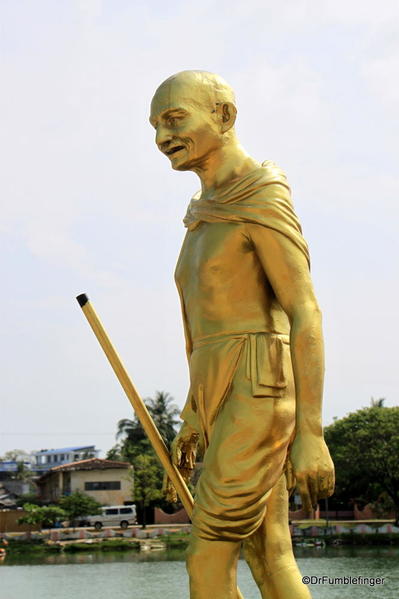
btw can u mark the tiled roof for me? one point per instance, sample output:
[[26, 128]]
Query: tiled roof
[[89, 464]]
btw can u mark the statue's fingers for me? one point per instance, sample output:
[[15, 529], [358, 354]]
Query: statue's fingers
[[176, 454], [326, 485], [165, 483], [303, 490], [191, 459], [168, 489], [290, 477], [185, 456], [331, 486], [171, 494], [313, 491]]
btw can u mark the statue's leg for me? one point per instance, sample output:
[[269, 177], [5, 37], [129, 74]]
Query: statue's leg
[[245, 457], [212, 567], [269, 551]]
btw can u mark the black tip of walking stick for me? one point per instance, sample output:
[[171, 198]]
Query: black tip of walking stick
[[82, 299]]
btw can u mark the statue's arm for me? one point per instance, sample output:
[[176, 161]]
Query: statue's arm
[[187, 335], [185, 444], [287, 270]]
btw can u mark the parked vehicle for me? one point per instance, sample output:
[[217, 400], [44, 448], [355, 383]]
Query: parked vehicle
[[113, 515]]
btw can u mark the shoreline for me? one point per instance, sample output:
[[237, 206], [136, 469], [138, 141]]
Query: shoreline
[[176, 540]]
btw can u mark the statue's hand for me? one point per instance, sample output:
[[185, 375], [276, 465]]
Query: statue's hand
[[183, 453], [311, 468]]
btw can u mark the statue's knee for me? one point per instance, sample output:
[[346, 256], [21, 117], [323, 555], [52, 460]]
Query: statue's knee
[[279, 553], [211, 556]]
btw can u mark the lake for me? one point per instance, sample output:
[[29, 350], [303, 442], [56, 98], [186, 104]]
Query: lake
[[162, 574]]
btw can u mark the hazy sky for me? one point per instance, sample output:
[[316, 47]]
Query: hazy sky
[[88, 204]]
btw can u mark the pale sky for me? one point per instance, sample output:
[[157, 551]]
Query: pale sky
[[89, 204]]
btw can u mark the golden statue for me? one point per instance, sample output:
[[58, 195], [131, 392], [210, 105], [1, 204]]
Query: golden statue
[[254, 347]]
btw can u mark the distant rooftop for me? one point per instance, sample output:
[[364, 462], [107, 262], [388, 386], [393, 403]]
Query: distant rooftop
[[64, 449], [89, 464]]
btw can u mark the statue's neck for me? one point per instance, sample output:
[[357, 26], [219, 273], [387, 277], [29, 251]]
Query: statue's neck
[[229, 162]]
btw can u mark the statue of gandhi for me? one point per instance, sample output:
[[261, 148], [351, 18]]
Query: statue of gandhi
[[254, 346]]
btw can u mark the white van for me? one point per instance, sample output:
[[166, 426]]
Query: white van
[[113, 515]]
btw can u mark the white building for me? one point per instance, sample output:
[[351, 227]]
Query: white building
[[107, 481]]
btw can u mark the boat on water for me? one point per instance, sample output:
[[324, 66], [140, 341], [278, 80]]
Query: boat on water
[[311, 543]]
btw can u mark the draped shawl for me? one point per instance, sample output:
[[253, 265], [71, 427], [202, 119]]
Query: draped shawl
[[262, 197]]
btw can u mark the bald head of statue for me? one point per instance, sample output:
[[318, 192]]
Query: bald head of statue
[[193, 113]]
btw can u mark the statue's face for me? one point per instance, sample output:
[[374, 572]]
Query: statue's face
[[187, 131]]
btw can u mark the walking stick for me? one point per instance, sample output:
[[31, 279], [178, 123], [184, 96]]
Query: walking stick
[[139, 407]]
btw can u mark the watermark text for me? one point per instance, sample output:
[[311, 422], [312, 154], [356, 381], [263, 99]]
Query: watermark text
[[369, 581]]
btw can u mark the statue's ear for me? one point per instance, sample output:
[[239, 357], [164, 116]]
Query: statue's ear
[[227, 113]]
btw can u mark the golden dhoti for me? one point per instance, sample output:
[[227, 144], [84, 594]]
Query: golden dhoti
[[242, 400]]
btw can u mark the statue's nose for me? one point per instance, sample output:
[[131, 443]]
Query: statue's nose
[[162, 136]]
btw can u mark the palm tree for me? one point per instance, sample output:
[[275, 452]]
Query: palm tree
[[163, 412], [131, 430]]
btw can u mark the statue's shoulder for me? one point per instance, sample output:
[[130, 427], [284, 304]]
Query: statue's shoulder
[[273, 172]]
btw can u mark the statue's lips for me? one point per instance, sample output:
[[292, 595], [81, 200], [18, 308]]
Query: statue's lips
[[174, 150]]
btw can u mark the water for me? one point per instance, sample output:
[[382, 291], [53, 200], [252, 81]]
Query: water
[[163, 575]]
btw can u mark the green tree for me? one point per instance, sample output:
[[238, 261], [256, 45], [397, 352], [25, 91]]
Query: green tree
[[23, 473], [15, 455], [77, 505], [365, 447], [32, 498], [133, 440], [164, 413], [133, 445], [115, 453], [45, 516], [146, 488]]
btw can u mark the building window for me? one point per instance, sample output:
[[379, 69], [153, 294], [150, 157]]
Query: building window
[[112, 485]]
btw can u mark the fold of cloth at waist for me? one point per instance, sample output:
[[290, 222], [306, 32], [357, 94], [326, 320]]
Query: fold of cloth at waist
[[216, 337], [215, 361]]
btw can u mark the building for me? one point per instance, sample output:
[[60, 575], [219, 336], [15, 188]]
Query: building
[[16, 477], [107, 481], [48, 458], [10, 468]]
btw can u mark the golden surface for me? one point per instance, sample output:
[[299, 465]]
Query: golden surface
[[254, 346]]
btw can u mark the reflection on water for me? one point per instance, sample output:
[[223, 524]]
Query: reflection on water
[[130, 575], [172, 555], [97, 557], [371, 551]]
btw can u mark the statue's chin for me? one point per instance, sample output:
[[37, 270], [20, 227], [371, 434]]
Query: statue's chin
[[181, 167]]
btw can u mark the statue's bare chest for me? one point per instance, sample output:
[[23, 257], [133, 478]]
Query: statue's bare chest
[[212, 254]]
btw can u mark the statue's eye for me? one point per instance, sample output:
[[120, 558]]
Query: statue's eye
[[172, 121]]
